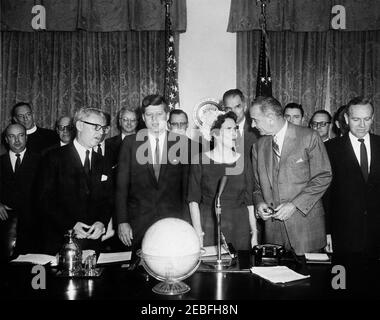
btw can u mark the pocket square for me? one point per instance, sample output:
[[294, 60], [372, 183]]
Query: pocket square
[[104, 178], [299, 160]]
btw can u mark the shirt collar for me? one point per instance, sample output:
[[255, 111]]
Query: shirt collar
[[32, 130], [13, 154], [355, 139], [81, 149], [281, 134]]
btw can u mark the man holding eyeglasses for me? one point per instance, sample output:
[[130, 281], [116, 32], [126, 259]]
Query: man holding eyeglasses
[[321, 122], [76, 187], [39, 139]]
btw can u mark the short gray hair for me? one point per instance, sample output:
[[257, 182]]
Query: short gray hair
[[84, 112]]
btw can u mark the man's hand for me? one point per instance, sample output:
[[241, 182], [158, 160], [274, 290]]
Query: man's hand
[[3, 211], [329, 247], [254, 239], [96, 230], [263, 211], [125, 233], [284, 211], [80, 230]]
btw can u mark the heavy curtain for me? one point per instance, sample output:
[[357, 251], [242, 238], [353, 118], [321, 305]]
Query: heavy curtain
[[59, 72]]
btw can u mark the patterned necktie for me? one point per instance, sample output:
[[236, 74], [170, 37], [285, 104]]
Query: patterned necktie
[[276, 148], [86, 166], [156, 164], [363, 159], [99, 151], [18, 162]]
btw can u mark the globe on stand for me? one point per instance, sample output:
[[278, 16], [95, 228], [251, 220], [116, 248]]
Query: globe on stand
[[170, 252]]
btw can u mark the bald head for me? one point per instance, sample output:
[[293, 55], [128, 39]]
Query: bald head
[[15, 136]]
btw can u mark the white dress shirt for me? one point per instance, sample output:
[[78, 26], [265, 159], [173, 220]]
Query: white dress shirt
[[241, 126], [161, 141], [356, 146], [13, 158], [82, 152], [279, 137]]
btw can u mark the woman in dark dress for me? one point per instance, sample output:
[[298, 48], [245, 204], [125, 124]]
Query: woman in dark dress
[[238, 219]]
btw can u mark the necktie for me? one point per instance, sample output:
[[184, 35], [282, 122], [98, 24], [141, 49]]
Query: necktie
[[99, 151], [156, 164], [18, 162], [86, 166], [276, 148], [363, 159]]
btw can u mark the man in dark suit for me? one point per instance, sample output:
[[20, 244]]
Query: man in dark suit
[[151, 180], [127, 123], [76, 186], [292, 172], [39, 139], [234, 100], [353, 210], [18, 170]]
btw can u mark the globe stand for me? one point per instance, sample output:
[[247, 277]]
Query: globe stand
[[171, 288]]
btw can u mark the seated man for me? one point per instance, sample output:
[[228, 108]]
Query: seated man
[[18, 169], [76, 187], [39, 139]]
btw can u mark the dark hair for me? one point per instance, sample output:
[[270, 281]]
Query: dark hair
[[294, 105], [177, 112], [233, 93], [108, 118], [339, 116], [268, 104], [359, 100], [154, 100], [320, 112], [217, 124], [19, 104]]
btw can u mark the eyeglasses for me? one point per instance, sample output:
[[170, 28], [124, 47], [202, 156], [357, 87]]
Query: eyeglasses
[[67, 128], [322, 124], [98, 127], [128, 120], [179, 124], [24, 116]]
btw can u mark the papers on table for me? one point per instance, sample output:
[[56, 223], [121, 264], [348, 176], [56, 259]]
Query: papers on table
[[36, 258], [278, 274], [212, 251], [317, 258], [114, 257]]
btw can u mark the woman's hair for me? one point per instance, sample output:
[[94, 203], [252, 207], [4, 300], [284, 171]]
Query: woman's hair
[[219, 122]]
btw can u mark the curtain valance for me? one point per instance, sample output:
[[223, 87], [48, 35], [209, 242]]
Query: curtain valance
[[93, 15], [304, 15]]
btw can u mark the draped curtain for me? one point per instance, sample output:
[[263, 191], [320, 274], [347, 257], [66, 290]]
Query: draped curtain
[[59, 72], [298, 66]]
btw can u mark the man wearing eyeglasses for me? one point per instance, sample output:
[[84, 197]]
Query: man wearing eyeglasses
[[321, 121], [127, 124], [39, 139], [65, 130], [178, 121], [76, 187], [151, 181]]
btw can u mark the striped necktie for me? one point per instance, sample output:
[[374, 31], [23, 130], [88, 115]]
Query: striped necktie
[[276, 148]]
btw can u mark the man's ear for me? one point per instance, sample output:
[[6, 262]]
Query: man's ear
[[79, 125]]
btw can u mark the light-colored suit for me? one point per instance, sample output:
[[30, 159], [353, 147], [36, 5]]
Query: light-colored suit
[[304, 174]]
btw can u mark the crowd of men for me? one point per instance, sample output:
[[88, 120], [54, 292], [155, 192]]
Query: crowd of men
[[316, 187]]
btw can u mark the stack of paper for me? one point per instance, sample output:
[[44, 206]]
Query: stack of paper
[[114, 257], [317, 257], [36, 258], [278, 274]]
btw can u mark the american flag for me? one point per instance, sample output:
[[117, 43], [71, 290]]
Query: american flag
[[264, 79], [171, 82]]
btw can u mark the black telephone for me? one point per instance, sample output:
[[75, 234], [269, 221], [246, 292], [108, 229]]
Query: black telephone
[[267, 254]]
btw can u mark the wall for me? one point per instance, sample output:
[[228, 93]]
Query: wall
[[207, 54]]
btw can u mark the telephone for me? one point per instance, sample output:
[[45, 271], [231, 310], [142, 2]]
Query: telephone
[[267, 254]]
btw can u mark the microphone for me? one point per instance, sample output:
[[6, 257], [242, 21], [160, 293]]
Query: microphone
[[222, 184]]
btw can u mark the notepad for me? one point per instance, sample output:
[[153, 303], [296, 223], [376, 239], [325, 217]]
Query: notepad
[[278, 274], [317, 258], [114, 257], [35, 258]]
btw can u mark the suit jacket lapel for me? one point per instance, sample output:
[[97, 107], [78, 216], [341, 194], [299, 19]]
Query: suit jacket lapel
[[289, 143], [351, 157], [76, 164], [149, 165], [374, 165], [268, 158], [164, 160]]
